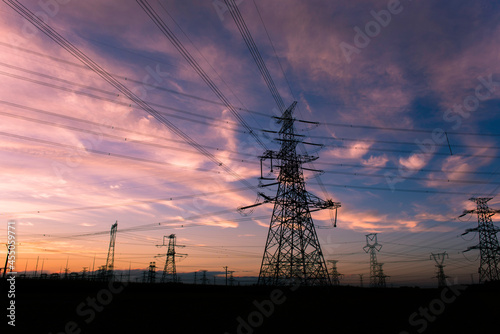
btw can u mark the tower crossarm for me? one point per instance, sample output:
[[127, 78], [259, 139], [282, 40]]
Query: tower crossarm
[[483, 211], [316, 203]]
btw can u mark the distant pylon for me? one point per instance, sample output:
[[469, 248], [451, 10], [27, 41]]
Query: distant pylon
[[226, 273], [336, 276], [380, 276], [169, 270], [361, 280], [152, 272], [372, 247], [489, 248], [439, 258], [110, 260], [231, 277], [9, 247], [292, 252], [204, 279]]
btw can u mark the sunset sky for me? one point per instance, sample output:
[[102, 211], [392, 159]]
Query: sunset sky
[[406, 94]]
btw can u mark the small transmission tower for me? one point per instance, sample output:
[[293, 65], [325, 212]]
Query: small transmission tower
[[380, 276], [204, 279], [152, 272], [292, 252], [169, 271], [110, 260], [231, 277], [336, 276], [489, 248], [439, 258], [372, 247]]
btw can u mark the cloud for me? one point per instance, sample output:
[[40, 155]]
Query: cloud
[[354, 151], [375, 161], [414, 161]]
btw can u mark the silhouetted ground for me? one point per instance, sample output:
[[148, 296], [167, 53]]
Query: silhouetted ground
[[59, 306]]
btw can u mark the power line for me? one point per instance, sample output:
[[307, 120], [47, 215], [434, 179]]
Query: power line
[[153, 15], [68, 46], [254, 51], [354, 126], [274, 49], [126, 139], [224, 123], [125, 104], [427, 170], [397, 189]]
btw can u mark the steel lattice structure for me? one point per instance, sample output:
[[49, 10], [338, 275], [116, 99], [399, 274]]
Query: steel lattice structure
[[489, 248], [380, 276], [336, 276], [439, 258], [372, 247], [169, 271], [292, 252], [152, 272], [110, 260]]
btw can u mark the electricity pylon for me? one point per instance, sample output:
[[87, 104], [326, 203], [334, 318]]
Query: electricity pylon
[[292, 252], [169, 270], [110, 260], [439, 258], [489, 248], [380, 276], [231, 277], [361, 280], [152, 272], [336, 276], [204, 279], [372, 247]]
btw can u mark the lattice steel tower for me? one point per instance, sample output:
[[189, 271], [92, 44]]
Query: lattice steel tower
[[372, 247], [292, 253], [439, 258], [110, 260], [489, 248], [169, 271], [336, 276], [380, 276]]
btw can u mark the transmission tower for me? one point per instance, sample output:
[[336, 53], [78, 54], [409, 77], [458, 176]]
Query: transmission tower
[[489, 248], [380, 276], [204, 279], [169, 271], [110, 260], [361, 279], [439, 258], [231, 277], [372, 247], [336, 276], [292, 252], [152, 272]]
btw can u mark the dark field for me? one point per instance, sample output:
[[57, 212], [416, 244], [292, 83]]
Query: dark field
[[62, 306]]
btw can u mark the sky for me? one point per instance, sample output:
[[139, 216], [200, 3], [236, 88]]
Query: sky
[[405, 96]]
